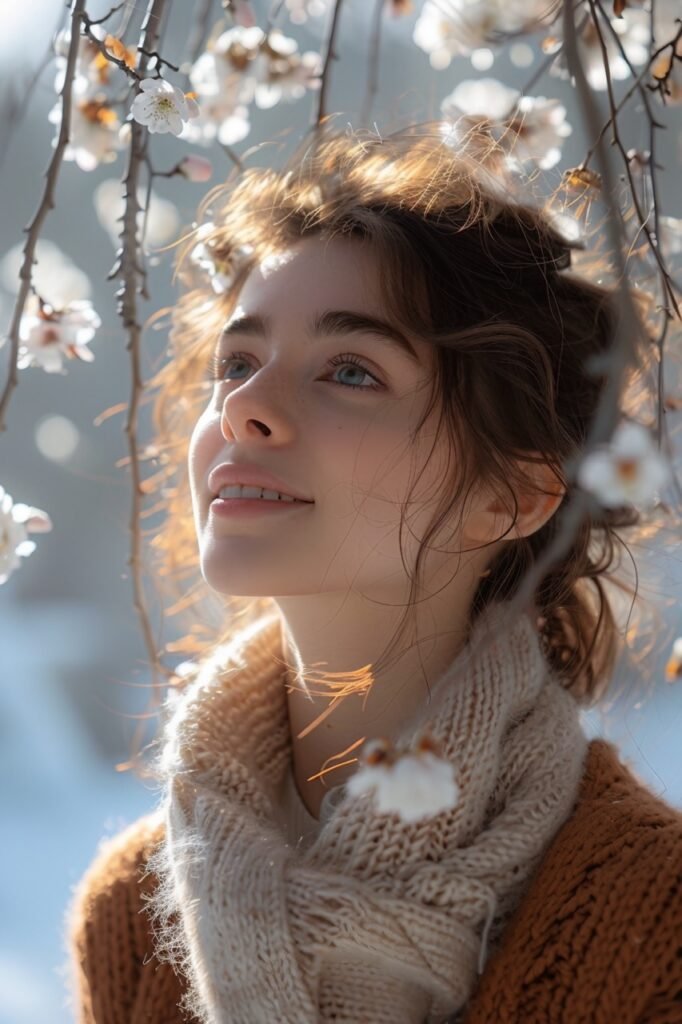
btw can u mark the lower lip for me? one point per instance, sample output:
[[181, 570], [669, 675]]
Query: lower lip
[[254, 506]]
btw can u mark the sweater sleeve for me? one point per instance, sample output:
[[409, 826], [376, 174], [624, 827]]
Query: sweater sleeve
[[114, 977]]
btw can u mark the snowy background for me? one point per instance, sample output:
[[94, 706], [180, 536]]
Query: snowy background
[[71, 656]]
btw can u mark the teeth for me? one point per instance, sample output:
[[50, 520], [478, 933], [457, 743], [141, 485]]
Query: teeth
[[240, 491]]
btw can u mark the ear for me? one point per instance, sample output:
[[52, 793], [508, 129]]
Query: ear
[[490, 516]]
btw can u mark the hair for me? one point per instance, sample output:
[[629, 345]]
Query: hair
[[485, 276]]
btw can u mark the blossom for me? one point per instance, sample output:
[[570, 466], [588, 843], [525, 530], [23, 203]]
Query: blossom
[[627, 471], [195, 168], [529, 128], [456, 28], [163, 219], [202, 255], [49, 334], [244, 65], [93, 138], [282, 74], [162, 107], [16, 521], [54, 276], [413, 785], [93, 72]]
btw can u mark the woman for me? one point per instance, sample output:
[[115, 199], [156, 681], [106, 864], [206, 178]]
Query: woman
[[391, 340]]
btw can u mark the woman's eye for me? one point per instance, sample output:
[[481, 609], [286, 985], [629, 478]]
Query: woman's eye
[[217, 368]]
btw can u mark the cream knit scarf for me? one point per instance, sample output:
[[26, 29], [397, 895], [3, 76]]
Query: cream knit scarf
[[378, 920]]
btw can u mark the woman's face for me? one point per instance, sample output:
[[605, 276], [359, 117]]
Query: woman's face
[[284, 407]]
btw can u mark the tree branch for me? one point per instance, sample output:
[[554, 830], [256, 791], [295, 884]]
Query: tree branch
[[329, 56], [46, 204], [133, 279]]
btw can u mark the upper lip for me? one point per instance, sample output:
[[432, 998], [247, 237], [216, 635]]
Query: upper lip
[[251, 475]]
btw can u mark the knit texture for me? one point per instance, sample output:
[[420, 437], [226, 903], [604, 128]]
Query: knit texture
[[595, 939], [376, 920]]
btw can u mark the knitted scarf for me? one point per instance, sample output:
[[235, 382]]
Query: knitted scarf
[[378, 919]]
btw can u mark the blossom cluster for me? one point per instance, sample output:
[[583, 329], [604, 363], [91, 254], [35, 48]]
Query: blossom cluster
[[413, 784], [95, 126], [242, 66]]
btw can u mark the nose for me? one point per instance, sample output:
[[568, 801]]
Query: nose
[[261, 404]]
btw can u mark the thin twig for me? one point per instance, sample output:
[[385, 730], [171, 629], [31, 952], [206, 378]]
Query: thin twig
[[374, 52], [329, 56], [46, 204], [232, 155], [159, 60], [107, 54], [199, 31]]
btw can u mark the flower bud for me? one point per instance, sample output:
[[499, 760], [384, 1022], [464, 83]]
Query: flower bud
[[195, 168]]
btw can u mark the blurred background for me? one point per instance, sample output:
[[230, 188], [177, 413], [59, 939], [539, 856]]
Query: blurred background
[[72, 660]]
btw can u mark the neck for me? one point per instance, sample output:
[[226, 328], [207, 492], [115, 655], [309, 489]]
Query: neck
[[346, 635]]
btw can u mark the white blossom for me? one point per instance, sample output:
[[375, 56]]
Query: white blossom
[[486, 97], [162, 107], [93, 138], [16, 522], [163, 219], [456, 28], [242, 66], [91, 67], [48, 334], [55, 277], [414, 785], [218, 119], [202, 256], [529, 128], [628, 470]]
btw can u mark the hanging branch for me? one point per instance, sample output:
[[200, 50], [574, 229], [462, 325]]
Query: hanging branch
[[133, 277], [666, 282], [46, 204], [330, 55], [622, 354], [667, 285], [374, 51]]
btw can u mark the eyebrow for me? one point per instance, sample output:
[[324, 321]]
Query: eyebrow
[[329, 323]]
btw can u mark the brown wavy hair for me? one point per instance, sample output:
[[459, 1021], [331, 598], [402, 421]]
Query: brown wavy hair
[[485, 275]]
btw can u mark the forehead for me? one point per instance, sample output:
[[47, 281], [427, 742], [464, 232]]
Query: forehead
[[315, 272]]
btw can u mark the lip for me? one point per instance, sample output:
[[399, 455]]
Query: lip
[[253, 507], [251, 475]]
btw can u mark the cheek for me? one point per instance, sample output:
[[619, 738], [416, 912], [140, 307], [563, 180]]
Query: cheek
[[199, 455]]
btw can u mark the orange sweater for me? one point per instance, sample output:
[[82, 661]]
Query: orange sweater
[[597, 937]]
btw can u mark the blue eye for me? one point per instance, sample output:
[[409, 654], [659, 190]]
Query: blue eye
[[217, 365]]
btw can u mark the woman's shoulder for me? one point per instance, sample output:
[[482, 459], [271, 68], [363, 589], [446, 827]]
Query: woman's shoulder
[[113, 971], [119, 857], [596, 935]]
